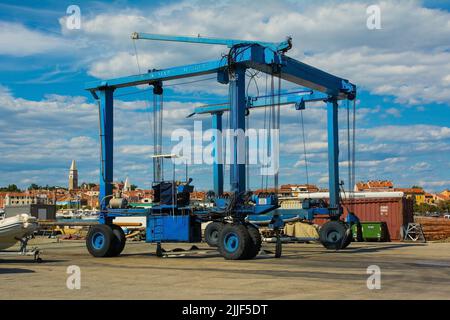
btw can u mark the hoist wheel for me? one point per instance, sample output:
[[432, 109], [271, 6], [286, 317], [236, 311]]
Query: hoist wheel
[[99, 240], [333, 235], [118, 242], [278, 248], [348, 239], [234, 242], [212, 232], [256, 241]]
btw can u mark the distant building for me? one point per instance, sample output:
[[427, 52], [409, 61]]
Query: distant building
[[294, 190], [198, 196], [2, 199], [126, 186], [290, 190], [374, 186], [73, 176], [443, 196], [19, 199], [417, 194], [446, 193], [429, 198], [139, 196]]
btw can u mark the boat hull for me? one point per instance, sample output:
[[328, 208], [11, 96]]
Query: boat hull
[[14, 228]]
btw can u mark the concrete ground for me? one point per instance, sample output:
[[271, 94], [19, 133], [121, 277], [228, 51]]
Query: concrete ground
[[305, 271]]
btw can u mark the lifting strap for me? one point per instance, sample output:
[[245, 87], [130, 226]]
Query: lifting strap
[[302, 123]]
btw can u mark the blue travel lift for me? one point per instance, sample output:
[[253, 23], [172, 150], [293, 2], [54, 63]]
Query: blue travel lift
[[173, 218]]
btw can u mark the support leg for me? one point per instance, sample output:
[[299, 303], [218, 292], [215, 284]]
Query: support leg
[[106, 140], [218, 159], [237, 116], [333, 157]]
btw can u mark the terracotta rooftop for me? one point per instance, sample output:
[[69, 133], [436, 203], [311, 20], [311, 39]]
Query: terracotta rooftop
[[374, 184], [410, 190]]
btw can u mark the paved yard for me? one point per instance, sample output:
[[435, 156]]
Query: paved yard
[[306, 271]]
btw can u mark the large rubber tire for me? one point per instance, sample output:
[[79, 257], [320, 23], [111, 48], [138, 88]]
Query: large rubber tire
[[278, 248], [332, 235], [256, 241], [118, 242], [212, 232], [99, 240], [348, 239], [234, 242]]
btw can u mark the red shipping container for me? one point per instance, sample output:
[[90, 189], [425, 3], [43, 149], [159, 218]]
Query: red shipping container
[[395, 212]]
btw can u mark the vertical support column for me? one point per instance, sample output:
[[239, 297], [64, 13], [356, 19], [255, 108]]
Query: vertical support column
[[218, 154], [106, 141], [237, 124], [333, 156]]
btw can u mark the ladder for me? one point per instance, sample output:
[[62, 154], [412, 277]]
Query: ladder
[[413, 232]]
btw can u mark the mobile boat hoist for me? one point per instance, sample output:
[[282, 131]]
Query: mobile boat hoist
[[173, 218]]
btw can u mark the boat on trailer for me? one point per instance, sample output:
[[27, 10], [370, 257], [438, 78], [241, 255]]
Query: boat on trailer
[[16, 229]]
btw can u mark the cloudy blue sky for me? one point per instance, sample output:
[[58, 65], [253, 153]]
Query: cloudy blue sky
[[47, 119]]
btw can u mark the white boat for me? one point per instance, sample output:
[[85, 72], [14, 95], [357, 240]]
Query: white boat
[[90, 215], [14, 229]]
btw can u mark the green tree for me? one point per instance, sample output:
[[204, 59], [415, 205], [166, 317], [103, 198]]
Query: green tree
[[33, 186], [423, 208], [10, 188], [444, 206]]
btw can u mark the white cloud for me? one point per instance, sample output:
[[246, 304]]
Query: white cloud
[[421, 166], [125, 63], [435, 185], [407, 133], [47, 134], [412, 77], [408, 58], [18, 40], [393, 112]]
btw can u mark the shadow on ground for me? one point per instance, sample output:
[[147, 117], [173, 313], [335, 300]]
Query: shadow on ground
[[29, 261], [15, 271]]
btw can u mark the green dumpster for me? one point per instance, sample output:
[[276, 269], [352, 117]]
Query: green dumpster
[[370, 231]]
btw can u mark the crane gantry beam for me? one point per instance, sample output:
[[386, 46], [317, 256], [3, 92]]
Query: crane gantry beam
[[283, 46], [266, 57]]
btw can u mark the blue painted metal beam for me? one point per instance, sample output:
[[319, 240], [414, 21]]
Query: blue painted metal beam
[[333, 157], [280, 46], [159, 75], [255, 57], [106, 141], [237, 124], [251, 53], [308, 76], [299, 98], [218, 161]]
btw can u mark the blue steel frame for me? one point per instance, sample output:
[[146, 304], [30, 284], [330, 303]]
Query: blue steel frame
[[237, 119], [253, 56], [218, 163], [299, 98], [106, 142], [281, 46]]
